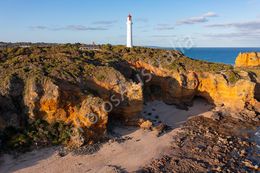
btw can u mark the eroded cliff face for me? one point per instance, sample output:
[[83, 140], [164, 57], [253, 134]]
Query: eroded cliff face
[[123, 98], [86, 106], [175, 87], [89, 89], [216, 89], [63, 102], [251, 59], [250, 62], [171, 87]]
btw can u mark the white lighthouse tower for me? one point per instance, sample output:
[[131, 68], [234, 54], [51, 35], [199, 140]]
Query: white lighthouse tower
[[129, 24]]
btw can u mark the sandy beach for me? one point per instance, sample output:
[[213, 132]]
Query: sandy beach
[[140, 148]]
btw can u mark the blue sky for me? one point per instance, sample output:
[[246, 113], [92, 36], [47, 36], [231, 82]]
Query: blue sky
[[204, 23]]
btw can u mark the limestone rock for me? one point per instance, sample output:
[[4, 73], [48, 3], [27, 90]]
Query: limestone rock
[[178, 87], [124, 99], [62, 84], [82, 105], [216, 89], [54, 102], [147, 125], [248, 59]]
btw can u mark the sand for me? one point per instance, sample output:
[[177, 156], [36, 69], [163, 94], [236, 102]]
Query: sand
[[142, 146]]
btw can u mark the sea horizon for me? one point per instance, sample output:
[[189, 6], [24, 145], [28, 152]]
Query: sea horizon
[[226, 55]]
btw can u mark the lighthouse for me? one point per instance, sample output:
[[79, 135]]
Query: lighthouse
[[129, 24]]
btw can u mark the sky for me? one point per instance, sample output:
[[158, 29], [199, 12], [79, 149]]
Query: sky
[[167, 23]]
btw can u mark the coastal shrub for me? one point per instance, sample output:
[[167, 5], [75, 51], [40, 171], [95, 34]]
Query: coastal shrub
[[231, 76], [100, 76], [38, 134], [107, 47]]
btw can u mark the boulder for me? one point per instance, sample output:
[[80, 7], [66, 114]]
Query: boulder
[[251, 59]]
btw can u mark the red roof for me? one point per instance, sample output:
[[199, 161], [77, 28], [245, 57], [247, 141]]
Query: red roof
[[130, 17]]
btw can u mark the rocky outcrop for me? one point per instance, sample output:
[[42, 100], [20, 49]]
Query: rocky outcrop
[[211, 144], [248, 60], [86, 106], [216, 89], [63, 102], [123, 99], [172, 87], [89, 89], [175, 87]]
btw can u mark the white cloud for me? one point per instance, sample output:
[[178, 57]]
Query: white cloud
[[105, 22], [164, 27], [210, 14], [69, 27], [251, 26], [198, 19], [246, 30], [239, 35]]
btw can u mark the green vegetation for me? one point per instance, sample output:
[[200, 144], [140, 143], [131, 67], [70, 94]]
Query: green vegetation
[[232, 76], [70, 64], [37, 134], [67, 62]]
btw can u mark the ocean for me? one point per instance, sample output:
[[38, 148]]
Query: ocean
[[219, 55]]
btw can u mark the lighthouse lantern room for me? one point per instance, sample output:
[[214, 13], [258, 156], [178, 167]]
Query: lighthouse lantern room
[[129, 24]]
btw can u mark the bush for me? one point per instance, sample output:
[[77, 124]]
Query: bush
[[39, 133], [107, 47]]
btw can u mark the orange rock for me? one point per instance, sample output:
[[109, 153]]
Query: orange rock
[[124, 98], [66, 103], [248, 59], [216, 89], [56, 101], [178, 87], [146, 125]]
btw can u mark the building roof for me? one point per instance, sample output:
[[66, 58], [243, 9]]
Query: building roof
[[130, 17]]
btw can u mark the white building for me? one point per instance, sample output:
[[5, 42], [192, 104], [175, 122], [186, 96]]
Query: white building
[[129, 24]]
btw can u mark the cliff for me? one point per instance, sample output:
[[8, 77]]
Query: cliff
[[218, 88], [250, 63], [248, 60], [88, 89]]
